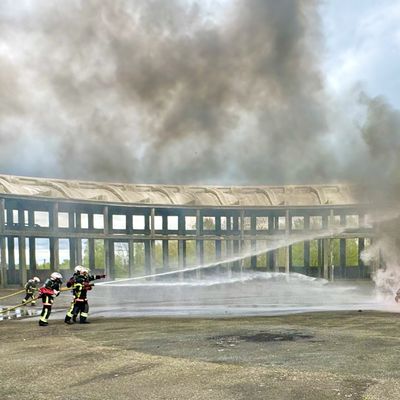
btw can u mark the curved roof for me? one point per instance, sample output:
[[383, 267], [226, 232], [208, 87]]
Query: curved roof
[[179, 195]]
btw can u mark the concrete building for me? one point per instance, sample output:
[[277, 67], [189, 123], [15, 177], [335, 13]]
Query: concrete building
[[254, 227]]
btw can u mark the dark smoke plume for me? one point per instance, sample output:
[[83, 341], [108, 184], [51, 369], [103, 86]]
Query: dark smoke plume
[[164, 91]]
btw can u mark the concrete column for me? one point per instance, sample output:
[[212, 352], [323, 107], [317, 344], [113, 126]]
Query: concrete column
[[342, 257], [236, 241], [147, 258], [361, 266], [325, 246], [107, 254], [2, 219], [165, 255], [218, 232], [307, 246], [111, 257], [342, 250], [72, 253], [3, 264], [107, 259], [54, 254], [90, 220], [11, 248], [241, 241], [253, 232], [181, 245], [54, 241], [78, 247], [71, 220], [229, 243], [91, 248], [288, 223], [320, 258], [10, 218], [272, 260], [181, 256], [53, 217], [32, 255], [165, 247], [326, 249], [131, 257], [21, 218], [199, 243], [152, 241], [11, 258], [129, 223], [32, 243], [22, 259], [78, 241], [147, 228]]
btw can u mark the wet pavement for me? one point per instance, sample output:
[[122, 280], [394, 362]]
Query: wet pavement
[[242, 295]]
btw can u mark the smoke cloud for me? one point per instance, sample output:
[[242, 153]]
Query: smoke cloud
[[183, 92], [163, 92]]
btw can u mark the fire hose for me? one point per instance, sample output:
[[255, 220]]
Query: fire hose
[[6, 310], [12, 294]]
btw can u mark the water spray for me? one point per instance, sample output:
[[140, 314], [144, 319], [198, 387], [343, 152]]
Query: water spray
[[280, 242]]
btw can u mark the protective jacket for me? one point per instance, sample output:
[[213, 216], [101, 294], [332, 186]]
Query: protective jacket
[[79, 306], [30, 286], [50, 288], [47, 292]]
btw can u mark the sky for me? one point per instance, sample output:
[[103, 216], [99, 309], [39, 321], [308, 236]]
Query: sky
[[362, 39], [225, 92]]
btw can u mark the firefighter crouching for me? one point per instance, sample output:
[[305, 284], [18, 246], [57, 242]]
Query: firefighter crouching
[[47, 292], [30, 289], [80, 283]]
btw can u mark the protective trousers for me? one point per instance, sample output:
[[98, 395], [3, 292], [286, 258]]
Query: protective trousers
[[29, 297], [78, 307], [46, 310]]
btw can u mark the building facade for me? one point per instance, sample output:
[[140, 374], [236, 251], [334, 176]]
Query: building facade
[[177, 231]]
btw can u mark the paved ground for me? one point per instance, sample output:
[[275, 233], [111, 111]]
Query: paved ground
[[227, 352], [314, 356]]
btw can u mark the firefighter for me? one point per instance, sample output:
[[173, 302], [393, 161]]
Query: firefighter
[[30, 289], [75, 283], [88, 279], [49, 290], [77, 272], [70, 284], [80, 305]]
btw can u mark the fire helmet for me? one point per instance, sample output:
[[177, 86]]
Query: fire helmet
[[36, 279], [56, 276], [78, 268]]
